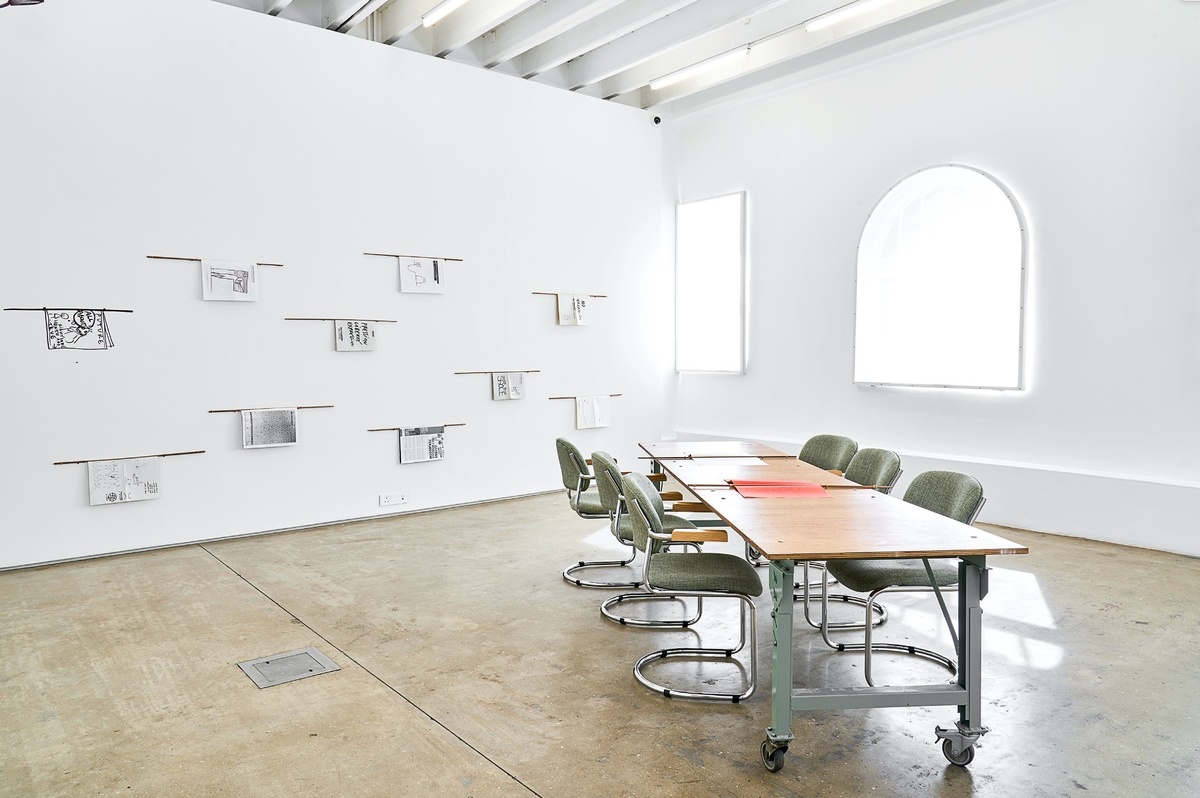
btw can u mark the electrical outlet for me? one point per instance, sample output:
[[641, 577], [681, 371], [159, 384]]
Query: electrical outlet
[[388, 499]]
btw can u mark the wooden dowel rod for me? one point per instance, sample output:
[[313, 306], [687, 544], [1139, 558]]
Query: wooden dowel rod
[[397, 429], [135, 457], [576, 397], [200, 260], [552, 293], [503, 371], [424, 257], [278, 407], [102, 310], [339, 318]]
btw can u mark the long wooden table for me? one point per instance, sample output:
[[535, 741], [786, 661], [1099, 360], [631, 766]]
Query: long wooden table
[[856, 524]]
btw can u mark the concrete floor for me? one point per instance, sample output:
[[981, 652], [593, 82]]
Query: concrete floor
[[469, 668]]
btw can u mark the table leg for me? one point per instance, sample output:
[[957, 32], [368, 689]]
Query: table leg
[[779, 733], [958, 744]]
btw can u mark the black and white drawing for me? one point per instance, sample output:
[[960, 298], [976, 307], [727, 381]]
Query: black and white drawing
[[593, 411], [354, 336], [422, 276], [273, 426], [422, 444], [77, 329], [117, 481], [226, 281], [508, 385], [572, 309]]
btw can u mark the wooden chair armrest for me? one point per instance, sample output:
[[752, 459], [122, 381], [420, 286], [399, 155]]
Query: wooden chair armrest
[[700, 536], [835, 472], [690, 507], [657, 478], [670, 496]]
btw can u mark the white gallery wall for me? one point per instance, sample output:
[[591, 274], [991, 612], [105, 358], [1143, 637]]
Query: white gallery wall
[[1089, 112], [197, 130]]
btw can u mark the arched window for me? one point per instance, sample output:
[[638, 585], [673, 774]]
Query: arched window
[[941, 269]]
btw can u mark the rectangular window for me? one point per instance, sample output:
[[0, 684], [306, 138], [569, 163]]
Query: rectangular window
[[710, 285]]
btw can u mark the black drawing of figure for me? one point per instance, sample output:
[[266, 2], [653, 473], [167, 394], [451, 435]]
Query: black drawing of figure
[[240, 278], [77, 329]]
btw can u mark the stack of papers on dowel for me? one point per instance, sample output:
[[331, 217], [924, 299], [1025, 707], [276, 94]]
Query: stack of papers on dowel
[[778, 489]]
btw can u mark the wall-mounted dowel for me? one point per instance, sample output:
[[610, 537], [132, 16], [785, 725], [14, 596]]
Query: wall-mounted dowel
[[503, 371], [339, 318], [134, 457], [46, 310], [397, 429], [276, 407], [576, 397], [552, 293], [421, 257], [201, 260]]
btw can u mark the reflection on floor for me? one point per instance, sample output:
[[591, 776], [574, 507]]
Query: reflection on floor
[[469, 668]]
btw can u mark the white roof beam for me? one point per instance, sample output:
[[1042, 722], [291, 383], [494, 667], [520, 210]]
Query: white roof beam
[[273, 7], [342, 15], [401, 18], [472, 21], [729, 37], [788, 45], [598, 31], [644, 43], [536, 26]]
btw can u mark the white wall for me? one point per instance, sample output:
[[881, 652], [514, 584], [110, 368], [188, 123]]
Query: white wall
[[1088, 112], [195, 129]]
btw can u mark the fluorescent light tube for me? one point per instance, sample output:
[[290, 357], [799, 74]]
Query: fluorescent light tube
[[440, 12], [698, 68], [837, 15]]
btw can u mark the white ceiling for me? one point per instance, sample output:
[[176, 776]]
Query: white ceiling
[[613, 49]]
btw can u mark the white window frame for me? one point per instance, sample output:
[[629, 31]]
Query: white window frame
[[711, 317], [875, 342]]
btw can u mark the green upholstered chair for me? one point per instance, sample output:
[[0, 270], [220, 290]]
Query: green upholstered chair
[[702, 575], [583, 497], [830, 452], [948, 493], [607, 479], [879, 468]]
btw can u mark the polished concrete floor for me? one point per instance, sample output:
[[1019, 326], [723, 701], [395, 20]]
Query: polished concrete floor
[[469, 668]]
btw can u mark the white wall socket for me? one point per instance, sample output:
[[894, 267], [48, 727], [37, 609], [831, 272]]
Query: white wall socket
[[388, 499]]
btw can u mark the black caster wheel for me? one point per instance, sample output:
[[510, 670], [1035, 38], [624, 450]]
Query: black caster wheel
[[772, 758], [963, 759]]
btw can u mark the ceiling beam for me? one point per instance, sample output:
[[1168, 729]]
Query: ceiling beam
[[537, 26], [697, 19], [472, 21], [273, 7], [401, 18], [342, 15], [761, 26], [604, 28]]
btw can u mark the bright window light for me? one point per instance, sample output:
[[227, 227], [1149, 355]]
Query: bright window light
[[941, 267], [710, 259]]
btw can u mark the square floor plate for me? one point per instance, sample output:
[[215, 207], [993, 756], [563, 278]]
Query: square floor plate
[[281, 668]]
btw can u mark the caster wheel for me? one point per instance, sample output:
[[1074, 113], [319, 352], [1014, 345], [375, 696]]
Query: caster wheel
[[772, 758], [963, 759]]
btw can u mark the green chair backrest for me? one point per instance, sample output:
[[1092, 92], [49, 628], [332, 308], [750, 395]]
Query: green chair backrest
[[571, 463], [879, 467], [948, 493], [645, 510], [830, 452], [608, 480]]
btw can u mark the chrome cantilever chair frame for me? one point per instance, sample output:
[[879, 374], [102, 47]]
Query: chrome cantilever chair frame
[[583, 478], [748, 617], [868, 645], [608, 607]]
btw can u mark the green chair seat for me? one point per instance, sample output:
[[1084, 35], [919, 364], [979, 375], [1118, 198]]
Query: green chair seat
[[866, 576], [707, 571], [589, 504]]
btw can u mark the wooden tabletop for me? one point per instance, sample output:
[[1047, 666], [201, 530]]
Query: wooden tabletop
[[683, 449], [716, 472], [849, 524]]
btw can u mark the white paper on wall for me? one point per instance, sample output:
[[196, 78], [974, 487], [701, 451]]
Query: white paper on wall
[[77, 329], [572, 309], [273, 426], [422, 444], [593, 411], [354, 336], [508, 385], [227, 281], [422, 276], [116, 481]]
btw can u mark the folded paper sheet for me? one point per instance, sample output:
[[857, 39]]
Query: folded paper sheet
[[778, 489]]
